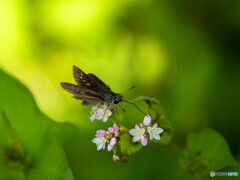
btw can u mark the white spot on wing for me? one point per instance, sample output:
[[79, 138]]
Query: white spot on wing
[[88, 84]]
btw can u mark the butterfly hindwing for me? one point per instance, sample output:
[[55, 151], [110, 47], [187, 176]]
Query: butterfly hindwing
[[83, 93]]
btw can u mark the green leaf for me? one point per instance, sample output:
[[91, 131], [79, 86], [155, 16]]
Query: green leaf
[[207, 151], [51, 162], [29, 123], [69, 175], [41, 138], [127, 146], [11, 135]]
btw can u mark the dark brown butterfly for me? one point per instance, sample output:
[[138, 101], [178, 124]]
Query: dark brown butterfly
[[91, 89]]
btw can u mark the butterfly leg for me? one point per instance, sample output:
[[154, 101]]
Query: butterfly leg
[[104, 112], [93, 112], [115, 108]]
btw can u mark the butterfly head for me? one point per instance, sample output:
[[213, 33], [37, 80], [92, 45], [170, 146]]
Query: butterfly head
[[117, 99]]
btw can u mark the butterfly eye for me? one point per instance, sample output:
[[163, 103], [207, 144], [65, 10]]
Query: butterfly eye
[[115, 102]]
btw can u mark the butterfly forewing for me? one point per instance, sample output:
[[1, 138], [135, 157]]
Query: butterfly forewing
[[90, 80], [98, 83], [80, 77]]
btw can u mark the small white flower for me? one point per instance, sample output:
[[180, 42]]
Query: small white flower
[[154, 132], [106, 115], [99, 113], [100, 142], [137, 133]]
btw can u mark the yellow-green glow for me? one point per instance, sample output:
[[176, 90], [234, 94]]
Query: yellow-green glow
[[82, 31]]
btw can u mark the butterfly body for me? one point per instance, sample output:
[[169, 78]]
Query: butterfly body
[[91, 89]]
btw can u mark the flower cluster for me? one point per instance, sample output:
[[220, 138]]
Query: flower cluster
[[139, 133], [100, 113], [142, 132], [103, 137]]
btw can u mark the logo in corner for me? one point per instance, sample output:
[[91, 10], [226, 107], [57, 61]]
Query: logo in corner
[[212, 173]]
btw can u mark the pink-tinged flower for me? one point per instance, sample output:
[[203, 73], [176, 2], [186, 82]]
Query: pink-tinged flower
[[101, 133], [115, 158], [137, 133], [94, 113], [112, 143], [116, 130], [110, 130], [100, 142], [100, 114], [141, 125], [144, 141], [92, 118], [154, 132], [147, 120]]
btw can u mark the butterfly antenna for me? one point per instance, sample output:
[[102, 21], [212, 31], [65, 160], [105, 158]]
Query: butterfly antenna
[[135, 106], [128, 89], [122, 108]]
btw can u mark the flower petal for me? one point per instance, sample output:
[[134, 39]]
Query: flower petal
[[155, 125], [96, 140], [137, 127], [113, 141], [110, 147], [133, 132], [156, 136], [142, 130], [109, 113], [99, 147], [101, 133], [136, 138], [159, 130], [110, 130], [105, 119], [144, 141], [115, 127], [92, 118], [149, 129]]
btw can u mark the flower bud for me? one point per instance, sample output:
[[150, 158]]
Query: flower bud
[[147, 120]]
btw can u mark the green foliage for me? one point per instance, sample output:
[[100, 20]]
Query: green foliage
[[11, 136], [127, 146], [50, 162], [69, 175], [32, 143], [206, 151]]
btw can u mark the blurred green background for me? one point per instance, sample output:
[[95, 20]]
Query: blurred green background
[[186, 53]]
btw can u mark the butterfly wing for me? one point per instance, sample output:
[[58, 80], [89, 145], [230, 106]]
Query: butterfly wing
[[81, 77], [90, 80], [97, 82], [88, 96]]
